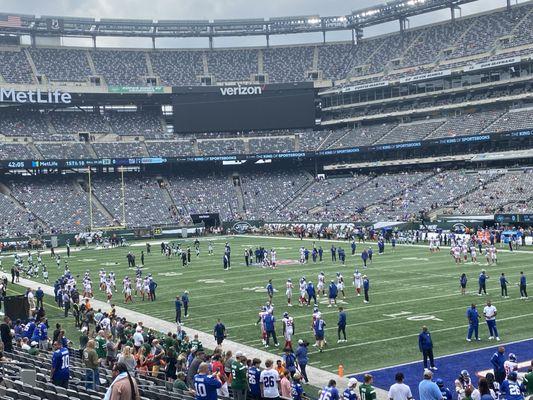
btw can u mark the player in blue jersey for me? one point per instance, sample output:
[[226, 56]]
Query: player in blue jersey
[[330, 392], [60, 372], [254, 379], [350, 392], [206, 385], [270, 290], [510, 389], [297, 390], [319, 327], [503, 285], [523, 286], [463, 281], [332, 294], [482, 280]]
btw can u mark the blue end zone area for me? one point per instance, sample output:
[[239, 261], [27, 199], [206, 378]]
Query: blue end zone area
[[450, 366]]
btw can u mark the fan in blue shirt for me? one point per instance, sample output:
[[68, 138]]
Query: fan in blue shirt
[[330, 392], [60, 372], [254, 382], [205, 385], [510, 389]]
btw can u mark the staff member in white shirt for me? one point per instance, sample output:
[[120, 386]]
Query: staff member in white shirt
[[490, 316], [269, 379], [399, 390]]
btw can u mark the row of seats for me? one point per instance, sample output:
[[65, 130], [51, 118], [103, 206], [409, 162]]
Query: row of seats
[[463, 37], [61, 203]]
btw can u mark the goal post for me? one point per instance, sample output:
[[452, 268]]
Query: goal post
[[122, 204]]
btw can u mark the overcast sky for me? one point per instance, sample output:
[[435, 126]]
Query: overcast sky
[[219, 9]]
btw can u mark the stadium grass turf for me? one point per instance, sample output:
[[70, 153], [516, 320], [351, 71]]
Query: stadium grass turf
[[409, 288]]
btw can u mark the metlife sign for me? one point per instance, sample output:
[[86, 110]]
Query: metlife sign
[[38, 96], [242, 90]]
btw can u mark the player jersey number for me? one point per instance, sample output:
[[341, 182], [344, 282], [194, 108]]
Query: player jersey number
[[201, 391], [251, 379], [65, 361], [514, 390], [325, 395], [268, 381]]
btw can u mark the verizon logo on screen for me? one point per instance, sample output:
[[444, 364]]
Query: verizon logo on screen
[[241, 90]]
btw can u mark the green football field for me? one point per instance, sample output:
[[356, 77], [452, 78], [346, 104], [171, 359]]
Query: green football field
[[409, 288]]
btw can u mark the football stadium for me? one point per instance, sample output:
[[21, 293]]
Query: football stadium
[[343, 217]]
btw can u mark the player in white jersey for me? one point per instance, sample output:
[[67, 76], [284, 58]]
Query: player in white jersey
[[473, 254], [511, 364], [320, 286], [261, 322], [431, 245], [493, 254], [273, 258], [357, 282], [58, 261], [288, 292], [210, 249], [112, 279], [340, 284], [288, 329], [457, 254], [138, 285], [102, 276], [87, 289], [39, 259], [464, 250], [146, 288], [127, 293], [108, 292], [302, 255], [303, 291], [45, 274]]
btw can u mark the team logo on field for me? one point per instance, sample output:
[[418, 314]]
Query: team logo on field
[[241, 227]]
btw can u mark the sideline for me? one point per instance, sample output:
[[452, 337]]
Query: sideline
[[317, 377]]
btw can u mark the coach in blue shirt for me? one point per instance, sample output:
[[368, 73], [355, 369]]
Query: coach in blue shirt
[[178, 305], [341, 325], [303, 359], [523, 286], [427, 389], [498, 360], [270, 329], [425, 345], [473, 323]]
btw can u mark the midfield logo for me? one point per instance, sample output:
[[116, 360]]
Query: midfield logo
[[242, 90]]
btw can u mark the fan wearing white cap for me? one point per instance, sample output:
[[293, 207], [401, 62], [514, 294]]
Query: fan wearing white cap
[[350, 392]]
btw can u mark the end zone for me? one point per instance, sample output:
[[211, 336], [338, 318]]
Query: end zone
[[477, 362]]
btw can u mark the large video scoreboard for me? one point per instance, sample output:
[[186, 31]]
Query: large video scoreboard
[[243, 107]]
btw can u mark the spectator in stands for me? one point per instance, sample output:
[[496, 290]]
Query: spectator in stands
[[91, 361], [60, 371], [285, 385], [180, 385], [6, 336], [399, 390], [193, 368], [427, 389], [124, 386], [239, 372], [127, 358], [528, 380]]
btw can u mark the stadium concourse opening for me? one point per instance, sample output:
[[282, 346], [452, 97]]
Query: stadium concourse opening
[[303, 220]]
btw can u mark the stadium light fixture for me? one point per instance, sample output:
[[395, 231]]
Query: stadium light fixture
[[313, 21]]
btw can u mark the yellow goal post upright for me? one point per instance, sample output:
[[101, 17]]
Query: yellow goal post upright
[[122, 204]]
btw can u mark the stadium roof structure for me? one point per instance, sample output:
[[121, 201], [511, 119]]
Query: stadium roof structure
[[21, 24]]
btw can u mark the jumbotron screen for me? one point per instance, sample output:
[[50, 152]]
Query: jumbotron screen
[[243, 107]]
